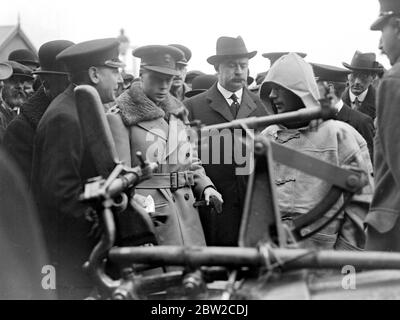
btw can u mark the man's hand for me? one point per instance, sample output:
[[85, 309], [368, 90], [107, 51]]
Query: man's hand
[[213, 196]]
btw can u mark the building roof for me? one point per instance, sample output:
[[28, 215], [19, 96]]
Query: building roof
[[7, 33]]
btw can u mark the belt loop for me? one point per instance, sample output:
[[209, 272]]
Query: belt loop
[[174, 181]]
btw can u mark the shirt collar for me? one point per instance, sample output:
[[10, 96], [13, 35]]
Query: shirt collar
[[361, 97], [227, 94], [339, 105]]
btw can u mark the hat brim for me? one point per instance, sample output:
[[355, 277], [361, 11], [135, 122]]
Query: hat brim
[[23, 76], [379, 23], [361, 69], [5, 71], [114, 64], [192, 93], [39, 72], [218, 58], [34, 63], [162, 70]]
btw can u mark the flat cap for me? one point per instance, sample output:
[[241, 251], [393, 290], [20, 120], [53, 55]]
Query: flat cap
[[99, 52], [20, 70], [324, 72], [159, 58]]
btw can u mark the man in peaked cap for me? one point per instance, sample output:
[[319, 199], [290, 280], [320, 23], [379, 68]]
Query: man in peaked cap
[[361, 95], [228, 99], [150, 120], [335, 79], [28, 59], [19, 136], [13, 95], [62, 163], [383, 223], [179, 87]]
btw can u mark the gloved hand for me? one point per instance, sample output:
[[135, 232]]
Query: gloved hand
[[213, 198]]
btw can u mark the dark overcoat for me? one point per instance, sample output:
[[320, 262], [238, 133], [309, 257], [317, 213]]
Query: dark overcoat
[[61, 165], [367, 106], [19, 136], [210, 107], [361, 122]]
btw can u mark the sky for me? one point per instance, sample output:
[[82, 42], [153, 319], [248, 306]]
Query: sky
[[328, 31]]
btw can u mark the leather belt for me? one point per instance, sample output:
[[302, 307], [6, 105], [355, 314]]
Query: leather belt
[[173, 180]]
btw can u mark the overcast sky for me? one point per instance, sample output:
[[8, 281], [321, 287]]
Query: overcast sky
[[329, 31]]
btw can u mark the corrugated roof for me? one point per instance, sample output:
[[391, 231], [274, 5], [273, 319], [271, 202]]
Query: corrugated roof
[[5, 32]]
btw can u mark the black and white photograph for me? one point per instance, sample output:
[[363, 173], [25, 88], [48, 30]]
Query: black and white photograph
[[200, 155]]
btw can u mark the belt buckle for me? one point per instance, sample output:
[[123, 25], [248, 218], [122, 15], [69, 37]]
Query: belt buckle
[[189, 178], [173, 177]]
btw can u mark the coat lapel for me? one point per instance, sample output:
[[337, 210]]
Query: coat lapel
[[218, 103], [158, 127], [344, 114], [247, 107]]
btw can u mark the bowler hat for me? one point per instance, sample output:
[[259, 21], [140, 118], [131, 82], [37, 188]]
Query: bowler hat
[[363, 62], [18, 69], [329, 73], [273, 56], [5, 71], [47, 57], [201, 83], [389, 8], [228, 47], [186, 51], [159, 58], [99, 52], [24, 57]]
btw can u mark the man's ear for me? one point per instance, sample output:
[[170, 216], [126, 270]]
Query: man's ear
[[93, 73]]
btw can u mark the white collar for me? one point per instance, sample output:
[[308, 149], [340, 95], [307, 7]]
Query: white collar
[[227, 94], [339, 105], [361, 97]]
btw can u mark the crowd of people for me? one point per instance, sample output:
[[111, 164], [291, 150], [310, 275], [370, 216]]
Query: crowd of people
[[47, 160]]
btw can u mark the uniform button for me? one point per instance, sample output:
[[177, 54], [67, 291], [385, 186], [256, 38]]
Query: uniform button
[[187, 197], [187, 155], [173, 199]]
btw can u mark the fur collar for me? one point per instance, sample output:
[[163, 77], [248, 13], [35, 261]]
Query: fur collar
[[35, 107], [134, 107]]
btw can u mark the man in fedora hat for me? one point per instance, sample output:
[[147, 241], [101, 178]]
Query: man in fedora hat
[[62, 163], [150, 120], [179, 86], [226, 100], [383, 223], [19, 136], [361, 95], [13, 95], [335, 79]]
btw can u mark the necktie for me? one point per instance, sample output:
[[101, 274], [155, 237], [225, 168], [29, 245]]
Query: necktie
[[357, 104], [235, 105]]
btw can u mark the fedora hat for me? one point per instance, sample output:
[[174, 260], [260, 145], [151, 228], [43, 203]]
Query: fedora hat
[[228, 47], [201, 83], [363, 62], [389, 8], [5, 71], [47, 57]]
